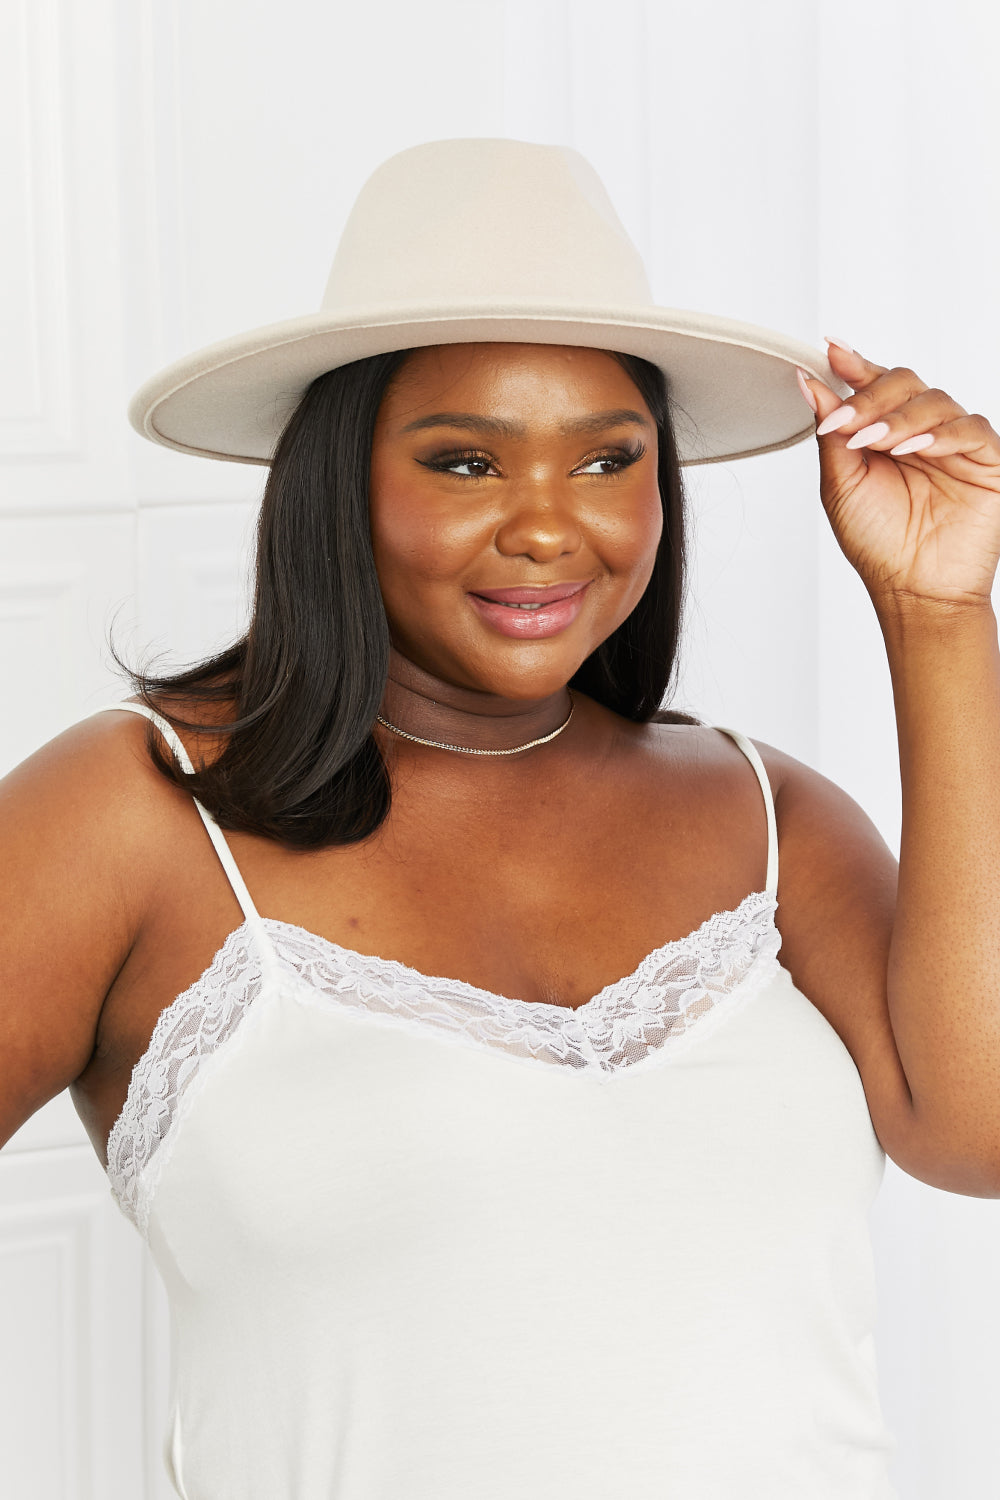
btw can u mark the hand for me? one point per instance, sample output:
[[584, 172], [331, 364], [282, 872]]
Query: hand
[[917, 526]]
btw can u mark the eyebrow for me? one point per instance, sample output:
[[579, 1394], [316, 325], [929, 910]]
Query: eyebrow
[[597, 421]]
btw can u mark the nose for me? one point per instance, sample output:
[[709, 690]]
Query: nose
[[540, 523]]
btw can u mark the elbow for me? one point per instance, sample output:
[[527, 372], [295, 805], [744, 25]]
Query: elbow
[[963, 1161]]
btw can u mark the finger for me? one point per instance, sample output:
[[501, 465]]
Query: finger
[[821, 398], [851, 366], [883, 429], [840, 468], [886, 393], [971, 436]]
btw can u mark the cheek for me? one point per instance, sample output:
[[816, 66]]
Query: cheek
[[649, 522], [416, 541], [628, 534]]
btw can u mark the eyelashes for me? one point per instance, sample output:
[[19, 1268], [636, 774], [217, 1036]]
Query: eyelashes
[[622, 456]]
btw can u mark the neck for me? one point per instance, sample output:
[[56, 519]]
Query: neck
[[421, 704]]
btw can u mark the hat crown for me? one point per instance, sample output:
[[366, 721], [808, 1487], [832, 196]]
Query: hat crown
[[486, 241], [484, 222]]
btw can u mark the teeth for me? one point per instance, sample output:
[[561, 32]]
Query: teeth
[[524, 606]]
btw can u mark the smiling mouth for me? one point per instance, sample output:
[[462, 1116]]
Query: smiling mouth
[[538, 617]]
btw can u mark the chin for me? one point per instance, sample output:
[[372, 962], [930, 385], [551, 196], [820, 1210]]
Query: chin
[[527, 686]]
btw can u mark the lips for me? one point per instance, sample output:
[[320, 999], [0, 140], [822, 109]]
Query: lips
[[555, 607]]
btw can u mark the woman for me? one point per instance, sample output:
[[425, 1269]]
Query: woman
[[586, 1215]]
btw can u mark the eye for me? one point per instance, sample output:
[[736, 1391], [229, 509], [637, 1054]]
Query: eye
[[475, 464], [475, 468], [614, 462], [607, 465]]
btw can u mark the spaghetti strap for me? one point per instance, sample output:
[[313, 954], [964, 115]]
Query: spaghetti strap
[[753, 756], [215, 833]]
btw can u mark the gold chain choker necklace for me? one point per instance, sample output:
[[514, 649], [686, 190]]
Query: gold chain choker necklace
[[465, 750]]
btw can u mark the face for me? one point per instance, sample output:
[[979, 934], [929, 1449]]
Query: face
[[499, 467]]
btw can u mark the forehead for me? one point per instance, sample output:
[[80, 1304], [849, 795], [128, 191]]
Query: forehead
[[554, 378]]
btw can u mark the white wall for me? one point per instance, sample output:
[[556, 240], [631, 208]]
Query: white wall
[[172, 171]]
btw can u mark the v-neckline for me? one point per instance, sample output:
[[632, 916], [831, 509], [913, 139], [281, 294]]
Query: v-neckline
[[732, 918]]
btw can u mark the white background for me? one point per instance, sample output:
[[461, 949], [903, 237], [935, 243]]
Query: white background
[[173, 171]]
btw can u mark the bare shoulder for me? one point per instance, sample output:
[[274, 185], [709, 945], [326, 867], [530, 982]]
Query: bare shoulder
[[81, 827], [823, 832], [705, 755], [829, 849], [836, 897], [833, 862], [100, 769], [95, 774], [701, 793], [693, 748], [88, 810]]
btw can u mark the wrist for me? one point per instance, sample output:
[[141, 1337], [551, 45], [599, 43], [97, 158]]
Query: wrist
[[908, 613], [936, 648]]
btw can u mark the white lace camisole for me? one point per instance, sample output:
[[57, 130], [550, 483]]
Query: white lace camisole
[[425, 1242]]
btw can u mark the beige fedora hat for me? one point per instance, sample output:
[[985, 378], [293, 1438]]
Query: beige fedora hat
[[486, 241]]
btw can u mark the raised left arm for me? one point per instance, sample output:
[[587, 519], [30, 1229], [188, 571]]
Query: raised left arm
[[922, 528]]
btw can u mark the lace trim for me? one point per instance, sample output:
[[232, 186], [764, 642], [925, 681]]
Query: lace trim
[[685, 984], [190, 1031], [629, 1020]]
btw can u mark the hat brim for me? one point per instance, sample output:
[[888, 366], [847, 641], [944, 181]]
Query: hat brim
[[733, 388]]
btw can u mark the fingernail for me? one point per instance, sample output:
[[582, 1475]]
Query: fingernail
[[840, 343], [838, 418], [913, 444], [803, 387], [868, 435]]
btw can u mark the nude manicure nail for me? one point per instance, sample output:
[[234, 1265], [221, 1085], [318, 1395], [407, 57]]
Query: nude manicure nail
[[840, 343], [913, 444], [838, 418], [873, 434]]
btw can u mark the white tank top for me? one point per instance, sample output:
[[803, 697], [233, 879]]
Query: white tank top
[[425, 1242]]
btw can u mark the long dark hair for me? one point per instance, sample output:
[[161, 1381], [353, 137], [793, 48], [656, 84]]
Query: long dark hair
[[300, 762]]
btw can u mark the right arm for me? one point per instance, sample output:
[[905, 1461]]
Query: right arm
[[76, 830]]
